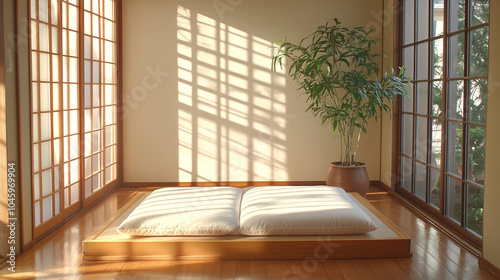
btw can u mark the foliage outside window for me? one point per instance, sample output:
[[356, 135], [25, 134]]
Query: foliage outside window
[[443, 123]]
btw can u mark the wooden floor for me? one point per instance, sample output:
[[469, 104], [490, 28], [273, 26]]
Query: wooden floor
[[435, 256]]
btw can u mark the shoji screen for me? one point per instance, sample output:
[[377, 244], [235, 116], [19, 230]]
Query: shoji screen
[[73, 105], [100, 87]]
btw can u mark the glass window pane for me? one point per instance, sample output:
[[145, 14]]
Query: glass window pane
[[36, 186], [37, 214], [406, 171], [47, 208], [422, 98], [408, 100], [422, 61], [34, 95], [87, 47], [33, 12], [109, 135], [64, 15], [436, 144], [456, 55], [46, 182], [437, 98], [87, 27], [34, 66], [88, 187], [409, 22], [74, 122], [480, 11], [46, 126], [477, 100], [74, 171], [73, 43], [437, 59], [453, 198], [35, 128], [95, 6], [55, 68], [57, 204], [56, 95], [407, 134], [109, 30], [44, 67], [74, 193], [435, 187], [420, 180], [34, 35], [54, 15], [46, 155], [455, 100], [73, 70], [56, 119], [45, 99], [96, 96], [56, 177], [96, 46], [479, 52], [36, 158], [456, 20], [476, 149], [43, 32], [73, 96], [455, 151], [88, 96], [408, 54], [64, 42], [95, 25], [109, 9], [474, 218], [96, 73], [73, 17], [438, 17], [88, 72], [422, 20], [55, 40], [57, 149], [43, 10], [421, 139]]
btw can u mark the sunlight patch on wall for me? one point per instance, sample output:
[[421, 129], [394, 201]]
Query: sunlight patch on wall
[[232, 108]]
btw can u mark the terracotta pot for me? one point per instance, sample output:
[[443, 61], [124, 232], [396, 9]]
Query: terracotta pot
[[350, 178]]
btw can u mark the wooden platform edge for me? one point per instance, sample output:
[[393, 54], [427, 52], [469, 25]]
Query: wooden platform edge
[[239, 248]]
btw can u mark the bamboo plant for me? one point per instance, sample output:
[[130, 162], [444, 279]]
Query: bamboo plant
[[336, 68]]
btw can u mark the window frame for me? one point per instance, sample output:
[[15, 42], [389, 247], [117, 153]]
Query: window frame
[[439, 212], [68, 209]]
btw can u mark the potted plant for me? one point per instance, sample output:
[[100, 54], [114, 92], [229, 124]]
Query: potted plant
[[336, 68]]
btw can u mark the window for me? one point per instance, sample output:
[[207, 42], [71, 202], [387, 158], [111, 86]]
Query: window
[[444, 47], [61, 121], [100, 94]]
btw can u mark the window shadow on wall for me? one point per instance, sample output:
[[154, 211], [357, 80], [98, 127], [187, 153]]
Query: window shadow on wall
[[231, 107]]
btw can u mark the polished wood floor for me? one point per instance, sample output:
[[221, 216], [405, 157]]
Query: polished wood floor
[[435, 256]]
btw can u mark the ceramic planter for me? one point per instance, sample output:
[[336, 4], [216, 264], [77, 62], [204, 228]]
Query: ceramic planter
[[350, 178]]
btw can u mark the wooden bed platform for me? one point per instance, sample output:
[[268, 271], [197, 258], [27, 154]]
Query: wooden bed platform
[[388, 241]]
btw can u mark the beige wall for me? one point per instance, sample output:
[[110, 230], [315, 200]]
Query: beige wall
[[200, 101], [491, 244]]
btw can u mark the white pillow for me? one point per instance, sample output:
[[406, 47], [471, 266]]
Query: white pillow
[[194, 211], [301, 210]]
